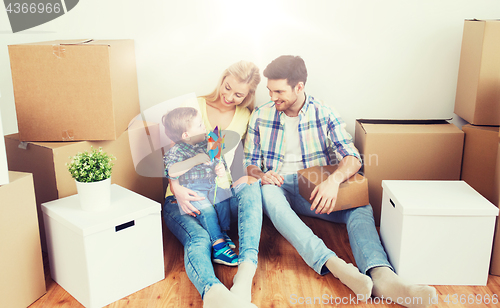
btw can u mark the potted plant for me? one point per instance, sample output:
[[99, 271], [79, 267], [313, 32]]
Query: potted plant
[[92, 173]]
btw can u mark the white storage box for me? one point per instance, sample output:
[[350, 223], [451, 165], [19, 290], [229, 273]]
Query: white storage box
[[101, 257], [437, 232]]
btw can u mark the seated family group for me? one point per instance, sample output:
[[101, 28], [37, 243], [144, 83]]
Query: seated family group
[[292, 131]]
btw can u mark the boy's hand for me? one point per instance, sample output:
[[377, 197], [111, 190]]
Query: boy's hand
[[201, 158], [220, 171]]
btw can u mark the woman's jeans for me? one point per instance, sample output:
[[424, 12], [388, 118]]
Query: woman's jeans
[[282, 204], [246, 207], [215, 214]]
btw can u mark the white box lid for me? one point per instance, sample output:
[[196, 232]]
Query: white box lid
[[125, 206], [441, 198]]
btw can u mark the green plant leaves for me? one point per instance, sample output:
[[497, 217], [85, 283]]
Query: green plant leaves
[[92, 166]]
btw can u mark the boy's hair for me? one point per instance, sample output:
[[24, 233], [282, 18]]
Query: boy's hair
[[291, 68], [178, 121]]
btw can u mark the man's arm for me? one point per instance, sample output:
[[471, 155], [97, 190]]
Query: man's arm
[[325, 194]]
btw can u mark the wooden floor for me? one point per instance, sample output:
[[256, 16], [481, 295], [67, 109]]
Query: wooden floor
[[282, 279]]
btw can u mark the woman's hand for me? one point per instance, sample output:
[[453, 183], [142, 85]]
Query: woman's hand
[[184, 197]]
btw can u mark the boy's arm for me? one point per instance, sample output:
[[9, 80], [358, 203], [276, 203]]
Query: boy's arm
[[182, 167]]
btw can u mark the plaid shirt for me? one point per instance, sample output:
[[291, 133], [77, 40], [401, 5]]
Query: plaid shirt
[[323, 137], [182, 151]]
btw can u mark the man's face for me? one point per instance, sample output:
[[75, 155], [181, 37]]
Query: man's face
[[282, 93]]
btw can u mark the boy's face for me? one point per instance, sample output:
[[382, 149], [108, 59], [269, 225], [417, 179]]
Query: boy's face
[[196, 131], [282, 93]]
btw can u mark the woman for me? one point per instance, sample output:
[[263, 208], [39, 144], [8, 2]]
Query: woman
[[227, 107]]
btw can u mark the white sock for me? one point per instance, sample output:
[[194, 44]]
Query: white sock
[[388, 284], [349, 275], [243, 281], [218, 296]]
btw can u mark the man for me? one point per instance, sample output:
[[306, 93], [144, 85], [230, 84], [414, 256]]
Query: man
[[294, 131]]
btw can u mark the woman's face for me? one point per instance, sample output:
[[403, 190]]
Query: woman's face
[[233, 92]]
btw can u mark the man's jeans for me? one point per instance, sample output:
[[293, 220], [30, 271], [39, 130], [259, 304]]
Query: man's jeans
[[282, 204], [246, 208], [215, 213]]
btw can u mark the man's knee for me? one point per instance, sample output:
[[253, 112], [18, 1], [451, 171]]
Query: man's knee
[[245, 179]]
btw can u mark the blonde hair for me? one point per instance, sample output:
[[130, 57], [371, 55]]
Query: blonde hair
[[178, 121], [244, 71]]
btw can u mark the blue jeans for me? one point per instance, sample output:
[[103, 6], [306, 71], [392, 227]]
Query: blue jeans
[[245, 206], [282, 204], [215, 215]]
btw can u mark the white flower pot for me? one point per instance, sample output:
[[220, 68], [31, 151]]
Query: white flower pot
[[94, 196]]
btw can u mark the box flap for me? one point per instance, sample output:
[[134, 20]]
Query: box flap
[[437, 198], [125, 207], [48, 145], [75, 42], [482, 20], [403, 121], [409, 127]]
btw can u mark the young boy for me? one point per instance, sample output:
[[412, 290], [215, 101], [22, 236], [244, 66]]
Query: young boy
[[188, 162]]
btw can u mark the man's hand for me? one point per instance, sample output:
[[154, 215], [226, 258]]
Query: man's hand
[[271, 177], [325, 196], [268, 178]]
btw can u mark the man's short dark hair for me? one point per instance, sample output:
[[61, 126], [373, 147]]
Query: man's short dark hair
[[291, 68]]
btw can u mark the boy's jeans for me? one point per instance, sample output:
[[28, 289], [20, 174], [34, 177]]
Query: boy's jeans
[[215, 213]]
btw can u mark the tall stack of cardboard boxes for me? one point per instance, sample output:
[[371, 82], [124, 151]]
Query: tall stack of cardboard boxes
[[69, 96], [22, 281], [4, 172], [478, 102]]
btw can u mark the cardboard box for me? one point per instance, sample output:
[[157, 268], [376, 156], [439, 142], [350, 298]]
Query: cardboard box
[[102, 257], [437, 232], [407, 150], [74, 90], [47, 161], [352, 193], [22, 280], [495, 255], [478, 86], [480, 158], [4, 171]]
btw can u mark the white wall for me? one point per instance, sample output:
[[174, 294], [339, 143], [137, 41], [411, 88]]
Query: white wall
[[369, 59]]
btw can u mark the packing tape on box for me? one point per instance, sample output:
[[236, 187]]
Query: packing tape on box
[[23, 145], [68, 135], [59, 51]]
